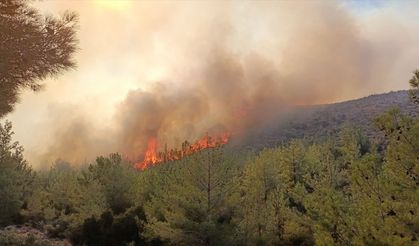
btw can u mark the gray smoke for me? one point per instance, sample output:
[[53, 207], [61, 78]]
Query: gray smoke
[[235, 66]]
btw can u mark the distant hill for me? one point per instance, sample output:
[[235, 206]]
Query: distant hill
[[319, 121]]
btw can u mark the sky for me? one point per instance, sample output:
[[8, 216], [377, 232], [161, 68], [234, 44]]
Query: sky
[[312, 51]]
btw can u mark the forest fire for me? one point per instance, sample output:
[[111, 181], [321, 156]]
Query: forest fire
[[152, 157]]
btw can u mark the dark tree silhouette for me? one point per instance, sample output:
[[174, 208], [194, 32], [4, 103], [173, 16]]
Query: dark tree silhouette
[[32, 47], [414, 84]]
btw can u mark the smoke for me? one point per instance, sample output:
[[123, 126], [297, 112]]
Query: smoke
[[229, 66]]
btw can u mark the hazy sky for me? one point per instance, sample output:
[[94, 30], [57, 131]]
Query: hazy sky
[[323, 51]]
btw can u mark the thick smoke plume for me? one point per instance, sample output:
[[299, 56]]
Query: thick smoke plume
[[233, 66]]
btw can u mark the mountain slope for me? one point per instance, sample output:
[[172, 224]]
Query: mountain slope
[[319, 121]]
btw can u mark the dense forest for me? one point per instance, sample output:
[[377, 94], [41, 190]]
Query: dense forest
[[343, 190], [327, 180]]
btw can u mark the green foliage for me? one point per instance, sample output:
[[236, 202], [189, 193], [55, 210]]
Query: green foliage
[[340, 191], [328, 205], [116, 179], [270, 194], [25, 236], [63, 201], [401, 172], [88, 206], [15, 176], [189, 202], [349, 190]]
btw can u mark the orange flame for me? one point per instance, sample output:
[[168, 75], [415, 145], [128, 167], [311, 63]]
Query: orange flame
[[152, 157]]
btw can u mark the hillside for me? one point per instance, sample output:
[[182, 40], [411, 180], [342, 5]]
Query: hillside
[[319, 121]]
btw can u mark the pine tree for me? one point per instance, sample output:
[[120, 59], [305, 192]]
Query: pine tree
[[272, 188], [260, 179], [368, 199], [63, 201], [32, 47], [189, 205], [401, 172], [327, 204], [116, 179], [16, 176]]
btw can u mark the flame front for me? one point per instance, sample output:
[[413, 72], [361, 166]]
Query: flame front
[[152, 157]]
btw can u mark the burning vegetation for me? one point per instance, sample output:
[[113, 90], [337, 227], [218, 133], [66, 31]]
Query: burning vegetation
[[223, 76], [240, 70], [153, 157]]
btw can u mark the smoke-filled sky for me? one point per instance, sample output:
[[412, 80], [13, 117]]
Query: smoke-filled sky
[[175, 70]]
